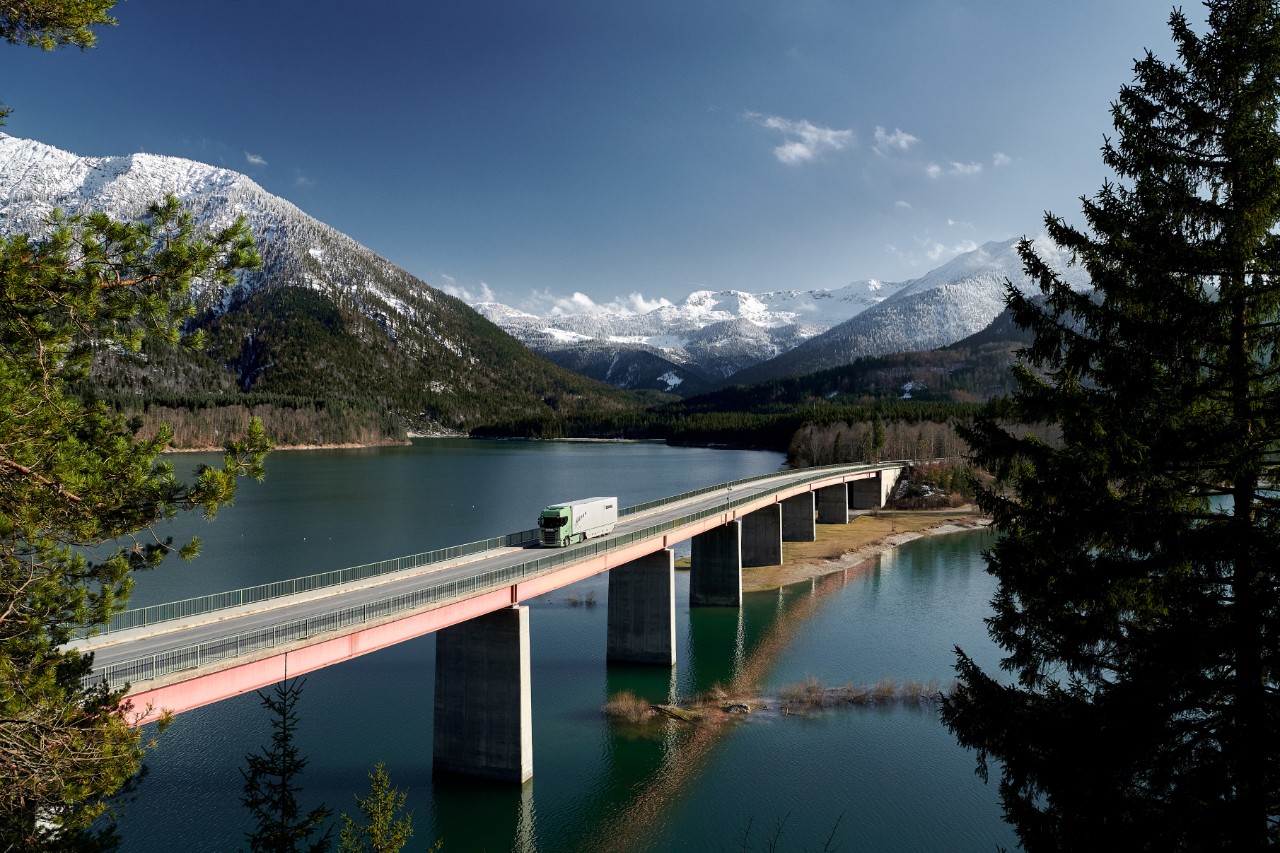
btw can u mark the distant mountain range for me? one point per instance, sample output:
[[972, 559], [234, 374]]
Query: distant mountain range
[[732, 337], [325, 318], [689, 347]]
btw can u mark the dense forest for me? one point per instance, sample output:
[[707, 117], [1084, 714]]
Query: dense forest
[[915, 397], [318, 372]]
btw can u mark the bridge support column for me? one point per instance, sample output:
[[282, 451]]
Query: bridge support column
[[797, 518], [762, 537], [483, 709], [715, 561], [867, 493], [642, 610], [873, 493], [888, 482], [833, 504]]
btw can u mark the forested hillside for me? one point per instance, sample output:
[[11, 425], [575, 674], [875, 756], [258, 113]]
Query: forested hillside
[[322, 373]]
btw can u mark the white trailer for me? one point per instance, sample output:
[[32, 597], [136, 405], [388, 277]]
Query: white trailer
[[566, 523]]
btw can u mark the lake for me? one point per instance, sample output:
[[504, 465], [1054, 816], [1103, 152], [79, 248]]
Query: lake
[[885, 777]]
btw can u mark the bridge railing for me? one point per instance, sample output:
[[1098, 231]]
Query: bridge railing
[[143, 616], [204, 654]]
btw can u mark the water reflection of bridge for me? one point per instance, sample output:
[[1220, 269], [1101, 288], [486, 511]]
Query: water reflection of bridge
[[187, 654]]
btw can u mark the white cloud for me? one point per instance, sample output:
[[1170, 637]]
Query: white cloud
[[898, 140], [471, 297], [933, 170], [636, 303], [902, 205], [936, 251], [1001, 159], [932, 252], [804, 141], [302, 180], [255, 159], [544, 303]]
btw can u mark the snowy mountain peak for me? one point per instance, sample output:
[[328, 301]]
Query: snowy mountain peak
[[297, 250]]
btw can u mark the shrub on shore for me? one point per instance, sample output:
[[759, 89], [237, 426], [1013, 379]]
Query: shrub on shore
[[627, 706]]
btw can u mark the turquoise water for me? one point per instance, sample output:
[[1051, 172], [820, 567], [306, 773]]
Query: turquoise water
[[883, 778]]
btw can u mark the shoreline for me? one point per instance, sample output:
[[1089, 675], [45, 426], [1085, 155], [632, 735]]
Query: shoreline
[[345, 446], [840, 552], [355, 445], [842, 547]]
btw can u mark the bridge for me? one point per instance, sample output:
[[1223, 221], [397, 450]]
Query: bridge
[[183, 655]]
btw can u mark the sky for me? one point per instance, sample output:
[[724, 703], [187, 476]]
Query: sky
[[589, 153]]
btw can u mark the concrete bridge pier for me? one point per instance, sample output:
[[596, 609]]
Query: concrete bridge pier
[[715, 567], [798, 518], [762, 537], [833, 504], [872, 492], [483, 707], [642, 610], [866, 493]]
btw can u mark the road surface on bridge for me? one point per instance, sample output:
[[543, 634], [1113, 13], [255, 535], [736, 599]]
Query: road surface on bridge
[[154, 639]]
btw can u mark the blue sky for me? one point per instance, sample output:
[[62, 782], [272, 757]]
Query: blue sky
[[626, 152]]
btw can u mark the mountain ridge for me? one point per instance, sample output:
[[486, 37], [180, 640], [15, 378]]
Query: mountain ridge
[[715, 338], [405, 347]]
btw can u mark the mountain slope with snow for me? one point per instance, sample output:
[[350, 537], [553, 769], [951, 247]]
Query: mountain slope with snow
[[940, 308], [709, 336], [739, 337], [324, 319]]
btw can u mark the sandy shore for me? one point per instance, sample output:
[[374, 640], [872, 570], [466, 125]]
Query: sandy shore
[[840, 547]]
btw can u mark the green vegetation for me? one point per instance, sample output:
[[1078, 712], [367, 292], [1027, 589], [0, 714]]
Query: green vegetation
[[697, 422], [385, 830], [1139, 616], [76, 481], [271, 784], [319, 372], [937, 485], [805, 416]]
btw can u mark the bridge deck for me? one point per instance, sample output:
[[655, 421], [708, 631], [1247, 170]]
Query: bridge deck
[[185, 663]]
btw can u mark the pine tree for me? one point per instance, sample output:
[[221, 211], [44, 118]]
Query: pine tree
[[76, 480], [271, 783], [1138, 555], [384, 831]]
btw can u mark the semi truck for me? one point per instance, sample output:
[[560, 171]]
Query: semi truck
[[566, 523]]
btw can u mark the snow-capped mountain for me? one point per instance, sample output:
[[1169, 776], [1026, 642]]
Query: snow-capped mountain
[[297, 251], [323, 319], [708, 337], [955, 300], [732, 336]]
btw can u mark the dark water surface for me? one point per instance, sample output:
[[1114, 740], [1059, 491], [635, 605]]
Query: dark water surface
[[885, 778]]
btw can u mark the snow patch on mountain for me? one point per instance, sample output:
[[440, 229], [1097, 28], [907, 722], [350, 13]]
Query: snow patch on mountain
[[297, 250], [945, 305], [716, 332]]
